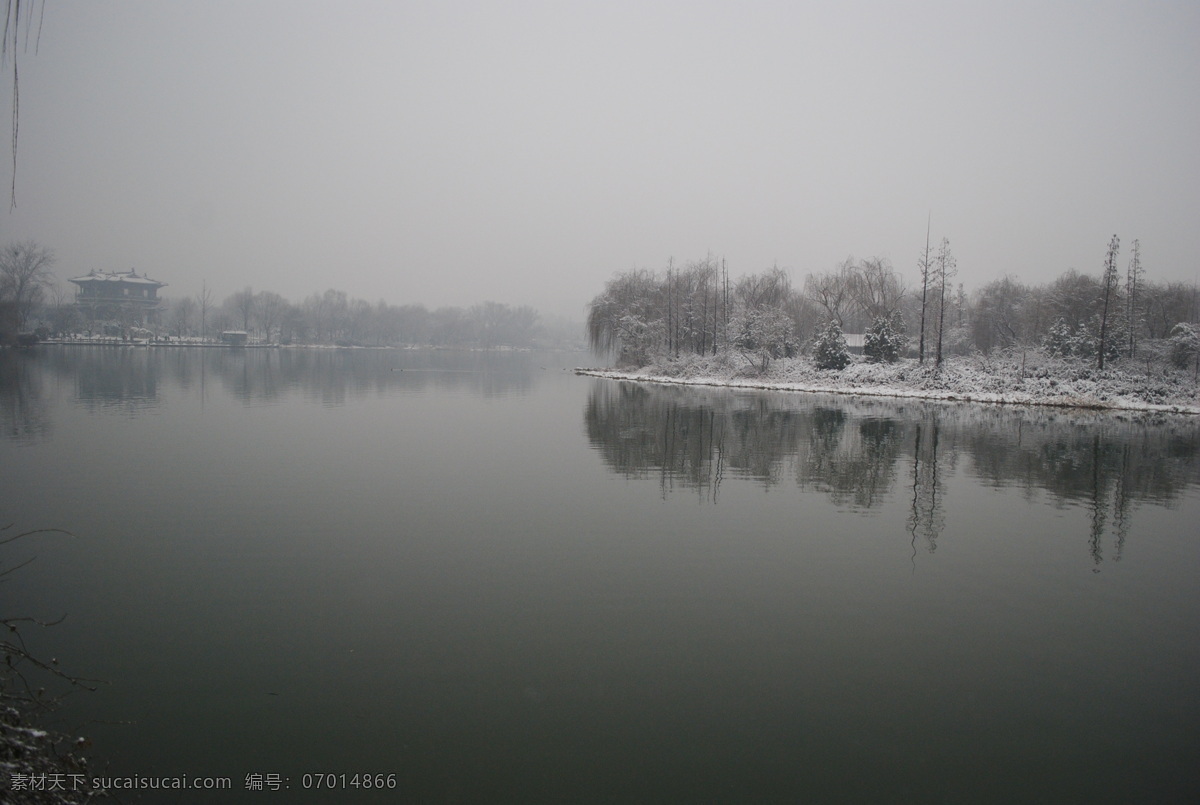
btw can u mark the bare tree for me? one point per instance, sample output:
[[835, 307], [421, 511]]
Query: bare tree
[[63, 315], [724, 302], [182, 313], [293, 325], [335, 306], [1005, 315], [24, 278], [671, 346], [925, 266], [758, 291], [242, 303], [833, 291], [1074, 298], [876, 288], [1109, 284], [360, 321], [204, 301], [699, 317], [1133, 288], [945, 268], [269, 307], [1165, 305]]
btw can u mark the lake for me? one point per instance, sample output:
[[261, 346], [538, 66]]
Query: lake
[[497, 580]]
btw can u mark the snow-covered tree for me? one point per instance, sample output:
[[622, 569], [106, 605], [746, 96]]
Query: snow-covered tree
[[885, 339], [947, 267], [627, 320], [926, 268], [1059, 342], [1083, 342], [1110, 285], [762, 334], [1133, 290], [1185, 345], [829, 348]]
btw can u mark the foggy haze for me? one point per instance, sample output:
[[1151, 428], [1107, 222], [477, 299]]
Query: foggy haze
[[451, 153]]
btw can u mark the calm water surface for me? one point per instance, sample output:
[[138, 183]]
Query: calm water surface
[[500, 581]]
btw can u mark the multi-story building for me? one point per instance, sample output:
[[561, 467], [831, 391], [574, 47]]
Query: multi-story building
[[124, 297]]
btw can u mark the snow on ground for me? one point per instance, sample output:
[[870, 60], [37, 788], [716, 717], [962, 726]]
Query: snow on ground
[[1032, 379]]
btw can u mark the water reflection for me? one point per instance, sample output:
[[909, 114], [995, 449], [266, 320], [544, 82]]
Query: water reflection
[[927, 515], [22, 410], [695, 437], [114, 378], [856, 451], [335, 377], [136, 379]]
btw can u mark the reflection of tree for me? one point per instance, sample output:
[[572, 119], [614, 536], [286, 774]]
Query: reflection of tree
[[694, 438], [131, 379], [881, 445], [117, 377], [1113, 469], [641, 432], [824, 438], [1122, 501], [848, 449], [130, 376], [692, 441], [764, 435], [1103, 464], [928, 514], [1096, 503], [853, 465], [22, 412]]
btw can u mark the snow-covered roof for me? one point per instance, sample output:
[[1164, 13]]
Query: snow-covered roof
[[130, 276]]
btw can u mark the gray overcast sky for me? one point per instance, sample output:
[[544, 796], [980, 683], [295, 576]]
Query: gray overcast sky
[[522, 152]]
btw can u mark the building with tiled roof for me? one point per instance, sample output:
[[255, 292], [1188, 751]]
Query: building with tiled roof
[[129, 298]]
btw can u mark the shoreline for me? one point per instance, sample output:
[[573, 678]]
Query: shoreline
[[112, 342], [1110, 400]]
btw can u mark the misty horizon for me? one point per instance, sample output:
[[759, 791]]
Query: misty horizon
[[447, 153]]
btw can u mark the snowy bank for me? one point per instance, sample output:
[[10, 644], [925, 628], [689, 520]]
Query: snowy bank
[[1010, 379]]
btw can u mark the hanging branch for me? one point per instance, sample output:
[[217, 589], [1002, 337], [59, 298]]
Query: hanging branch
[[12, 645], [11, 19], [10, 41]]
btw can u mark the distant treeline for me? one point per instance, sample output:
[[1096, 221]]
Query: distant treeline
[[696, 308], [334, 318]]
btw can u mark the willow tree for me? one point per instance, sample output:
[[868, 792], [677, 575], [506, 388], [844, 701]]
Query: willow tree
[[18, 14], [628, 319]]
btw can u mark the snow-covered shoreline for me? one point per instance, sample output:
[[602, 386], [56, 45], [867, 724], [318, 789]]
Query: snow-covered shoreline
[[1002, 380]]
